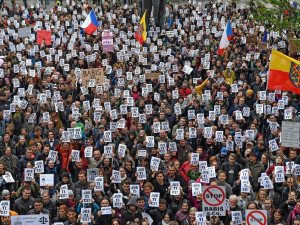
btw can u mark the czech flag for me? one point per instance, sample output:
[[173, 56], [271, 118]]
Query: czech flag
[[284, 73], [90, 24], [226, 37], [141, 34]]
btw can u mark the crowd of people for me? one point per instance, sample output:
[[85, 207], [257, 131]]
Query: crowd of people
[[100, 154]]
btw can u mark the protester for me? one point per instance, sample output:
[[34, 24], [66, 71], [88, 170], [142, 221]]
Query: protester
[[100, 127]]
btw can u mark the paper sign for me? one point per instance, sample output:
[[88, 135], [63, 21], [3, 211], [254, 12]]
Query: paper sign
[[64, 194], [47, 179], [117, 200], [87, 196], [154, 197], [86, 215], [135, 190], [99, 184], [4, 208], [92, 174], [39, 166], [28, 174]]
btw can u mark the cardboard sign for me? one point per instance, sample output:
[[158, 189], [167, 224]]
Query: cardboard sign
[[262, 45], [252, 38], [294, 45], [152, 75], [214, 201], [96, 73]]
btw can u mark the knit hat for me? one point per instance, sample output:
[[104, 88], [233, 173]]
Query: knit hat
[[249, 92], [5, 192], [70, 193], [191, 181], [65, 174]]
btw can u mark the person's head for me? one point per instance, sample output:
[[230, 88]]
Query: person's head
[[104, 202], [38, 204], [62, 211], [126, 185], [28, 152], [167, 217], [269, 203], [232, 159], [82, 176], [97, 154], [233, 200], [162, 204], [222, 175], [5, 195], [185, 205], [115, 222], [296, 221], [45, 196], [252, 205], [148, 188], [79, 164], [172, 171], [252, 157], [298, 204], [71, 214], [26, 193], [278, 214], [65, 178], [141, 202], [192, 214], [261, 194]]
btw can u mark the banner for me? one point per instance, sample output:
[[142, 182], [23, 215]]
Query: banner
[[42, 219], [107, 41]]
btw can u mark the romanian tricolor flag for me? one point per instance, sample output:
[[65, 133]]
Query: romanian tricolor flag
[[284, 73], [141, 34]]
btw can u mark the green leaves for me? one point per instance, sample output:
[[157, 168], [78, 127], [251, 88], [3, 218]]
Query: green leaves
[[278, 15]]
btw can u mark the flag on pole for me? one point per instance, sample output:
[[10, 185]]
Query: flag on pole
[[90, 24], [284, 73], [141, 34], [265, 36], [226, 37]]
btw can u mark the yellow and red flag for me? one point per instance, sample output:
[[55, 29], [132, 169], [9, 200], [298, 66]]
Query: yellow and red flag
[[284, 73], [141, 33]]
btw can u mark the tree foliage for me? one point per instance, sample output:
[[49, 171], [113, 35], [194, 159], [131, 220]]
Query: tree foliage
[[279, 15]]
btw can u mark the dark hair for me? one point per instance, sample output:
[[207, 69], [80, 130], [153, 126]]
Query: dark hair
[[71, 209], [162, 201], [38, 200]]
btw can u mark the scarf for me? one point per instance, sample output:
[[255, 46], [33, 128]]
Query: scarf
[[295, 211], [164, 223], [71, 203]]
